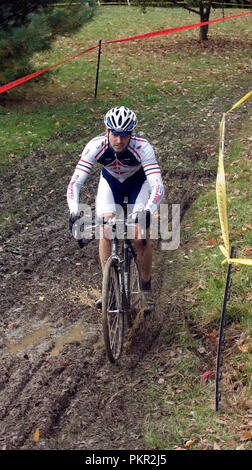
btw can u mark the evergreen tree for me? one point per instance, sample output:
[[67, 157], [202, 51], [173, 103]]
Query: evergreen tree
[[29, 26]]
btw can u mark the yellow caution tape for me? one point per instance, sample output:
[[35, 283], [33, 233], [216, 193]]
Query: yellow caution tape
[[119, 3], [221, 192]]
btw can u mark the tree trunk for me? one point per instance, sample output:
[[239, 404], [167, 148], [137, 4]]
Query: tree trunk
[[204, 16], [203, 32]]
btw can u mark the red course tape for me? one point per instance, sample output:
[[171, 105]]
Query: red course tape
[[10, 85], [15, 83]]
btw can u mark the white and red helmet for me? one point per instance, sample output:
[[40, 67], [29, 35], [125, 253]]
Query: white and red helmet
[[120, 120]]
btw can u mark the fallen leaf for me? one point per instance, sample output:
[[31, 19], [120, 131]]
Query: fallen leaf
[[202, 284], [247, 227], [244, 348], [190, 442], [246, 436], [36, 435], [206, 375], [212, 241], [63, 363], [220, 421], [216, 446], [230, 443], [201, 446]]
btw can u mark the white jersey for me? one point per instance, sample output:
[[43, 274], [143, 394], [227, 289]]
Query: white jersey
[[122, 168]]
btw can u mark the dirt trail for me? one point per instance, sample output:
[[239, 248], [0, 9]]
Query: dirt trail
[[54, 374]]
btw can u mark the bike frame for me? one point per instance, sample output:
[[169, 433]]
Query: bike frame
[[118, 277], [123, 263]]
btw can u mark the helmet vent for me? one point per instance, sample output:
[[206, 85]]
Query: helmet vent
[[120, 119]]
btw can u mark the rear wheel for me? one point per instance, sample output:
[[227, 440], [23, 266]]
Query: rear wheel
[[112, 318], [133, 285]]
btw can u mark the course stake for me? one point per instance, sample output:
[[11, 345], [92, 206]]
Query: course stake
[[221, 333], [98, 68]]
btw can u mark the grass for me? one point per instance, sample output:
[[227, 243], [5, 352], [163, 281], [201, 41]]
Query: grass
[[64, 98], [184, 401], [179, 88]]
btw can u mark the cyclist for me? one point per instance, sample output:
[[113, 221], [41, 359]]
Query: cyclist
[[129, 168]]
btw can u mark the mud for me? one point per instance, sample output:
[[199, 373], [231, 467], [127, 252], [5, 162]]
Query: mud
[[54, 374]]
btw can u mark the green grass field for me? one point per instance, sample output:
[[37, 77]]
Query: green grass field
[[181, 78], [179, 89]]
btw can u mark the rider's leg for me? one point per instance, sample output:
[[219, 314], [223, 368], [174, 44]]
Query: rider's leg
[[105, 207], [104, 250], [144, 256], [105, 242], [138, 200], [144, 261]]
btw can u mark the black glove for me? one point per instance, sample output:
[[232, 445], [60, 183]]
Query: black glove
[[143, 218]]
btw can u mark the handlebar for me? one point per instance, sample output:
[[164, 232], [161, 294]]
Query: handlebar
[[113, 222]]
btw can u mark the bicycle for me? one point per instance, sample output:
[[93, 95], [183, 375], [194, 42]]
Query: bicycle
[[121, 292]]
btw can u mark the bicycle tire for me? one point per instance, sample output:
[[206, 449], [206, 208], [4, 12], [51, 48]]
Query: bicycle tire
[[112, 317], [134, 289]]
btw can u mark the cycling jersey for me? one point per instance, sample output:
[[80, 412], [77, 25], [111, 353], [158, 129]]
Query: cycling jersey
[[130, 168]]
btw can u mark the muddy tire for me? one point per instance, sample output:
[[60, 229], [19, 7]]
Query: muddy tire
[[134, 292], [112, 318]]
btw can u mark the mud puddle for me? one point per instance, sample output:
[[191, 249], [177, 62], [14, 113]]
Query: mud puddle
[[45, 331]]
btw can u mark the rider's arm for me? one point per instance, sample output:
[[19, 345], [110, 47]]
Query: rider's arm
[[154, 178], [82, 170], [157, 193]]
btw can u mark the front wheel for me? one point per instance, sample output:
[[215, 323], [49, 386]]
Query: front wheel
[[112, 317]]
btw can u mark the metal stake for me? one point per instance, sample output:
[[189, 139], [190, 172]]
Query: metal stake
[[221, 334], [98, 68]]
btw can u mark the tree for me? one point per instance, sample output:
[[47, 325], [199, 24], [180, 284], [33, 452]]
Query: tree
[[204, 10], [29, 26], [200, 7]]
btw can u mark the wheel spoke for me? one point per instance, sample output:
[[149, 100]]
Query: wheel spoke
[[112, 317], [134, 285]]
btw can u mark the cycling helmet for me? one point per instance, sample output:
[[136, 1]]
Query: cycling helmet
[[120, 120]]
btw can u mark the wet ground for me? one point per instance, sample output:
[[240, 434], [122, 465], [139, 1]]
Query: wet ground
[[54, 374]]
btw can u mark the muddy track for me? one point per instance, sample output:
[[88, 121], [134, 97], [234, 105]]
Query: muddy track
[[54, 374]]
